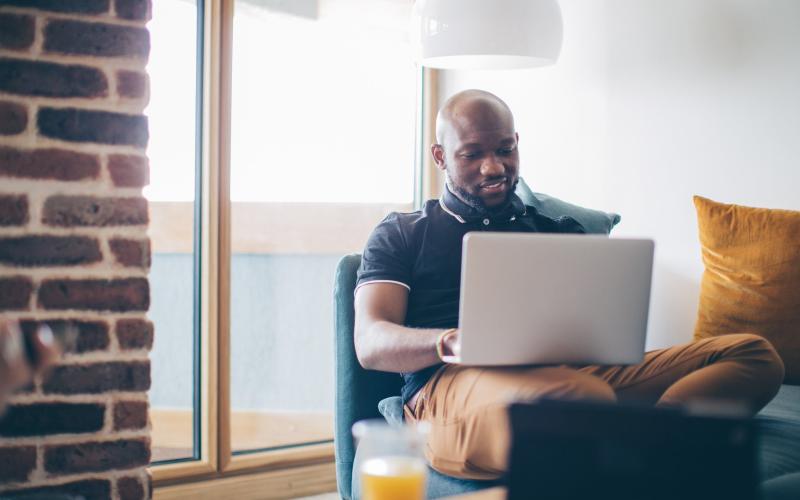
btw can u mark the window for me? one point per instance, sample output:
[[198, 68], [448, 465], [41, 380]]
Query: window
[[172, 119], [322, 147], [305, 136]]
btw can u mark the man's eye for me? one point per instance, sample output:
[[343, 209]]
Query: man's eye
[[469, 156], [506, 151]]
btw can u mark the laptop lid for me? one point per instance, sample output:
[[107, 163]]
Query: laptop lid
[[552, 299], [577, 450]]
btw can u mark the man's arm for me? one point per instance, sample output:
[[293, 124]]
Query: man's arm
[[382, 342]]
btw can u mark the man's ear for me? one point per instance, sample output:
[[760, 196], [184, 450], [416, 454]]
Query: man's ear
[[437, 151]]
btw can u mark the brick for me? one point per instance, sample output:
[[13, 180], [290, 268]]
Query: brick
[[16, 31], [13, 210], [131, 253], [89, 335], [90, 489], [13, 118], [27, 389], [98, 378], [120, 295], [130, 488], [69, 6], [41, 419], [103, 127], [96, 39], [129, 170], [16, 463], [135, 334], [50, 163], [84, 211], [46, 79], [135, 10], [130, 415], [132, 84], [15, 293], [96, 456], [41, 250]]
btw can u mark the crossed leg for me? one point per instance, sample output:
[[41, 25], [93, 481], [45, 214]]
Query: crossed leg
[[466, 406], [739, 368]]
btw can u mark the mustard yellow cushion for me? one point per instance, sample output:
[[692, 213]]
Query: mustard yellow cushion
[[751, 282]]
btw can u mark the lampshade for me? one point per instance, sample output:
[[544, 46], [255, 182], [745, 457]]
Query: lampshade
[[487, 34]]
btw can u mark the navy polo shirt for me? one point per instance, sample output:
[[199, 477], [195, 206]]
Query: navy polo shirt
[[422, 251]]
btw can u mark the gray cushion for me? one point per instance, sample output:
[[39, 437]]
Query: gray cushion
[[594, 221], [782, 488], [392, 410], [779, 434]]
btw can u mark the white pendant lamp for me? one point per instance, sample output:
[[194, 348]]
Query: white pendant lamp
[[487, 34]]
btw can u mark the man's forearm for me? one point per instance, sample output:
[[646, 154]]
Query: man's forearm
[[389, 347]]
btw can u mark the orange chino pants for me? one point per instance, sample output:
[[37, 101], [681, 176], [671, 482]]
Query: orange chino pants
[[466, 406]]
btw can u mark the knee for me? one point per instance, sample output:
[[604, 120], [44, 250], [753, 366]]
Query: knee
[[761, 357], [772, 370]]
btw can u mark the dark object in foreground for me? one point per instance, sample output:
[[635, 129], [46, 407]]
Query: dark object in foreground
[[576, 450]]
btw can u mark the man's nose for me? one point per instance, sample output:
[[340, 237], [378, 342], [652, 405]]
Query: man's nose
[[492, 166]]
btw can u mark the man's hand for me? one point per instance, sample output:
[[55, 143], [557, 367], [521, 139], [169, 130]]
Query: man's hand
[[452, 344], [20, 363]]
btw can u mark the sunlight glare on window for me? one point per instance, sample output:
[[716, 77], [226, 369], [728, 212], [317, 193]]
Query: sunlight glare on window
[[322, 107], [171, 112], [171, 193]]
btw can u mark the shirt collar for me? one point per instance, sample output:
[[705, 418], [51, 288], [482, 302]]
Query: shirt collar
[[464, 213]]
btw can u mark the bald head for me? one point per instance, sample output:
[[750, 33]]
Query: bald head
[[471, 109], [477, 148]]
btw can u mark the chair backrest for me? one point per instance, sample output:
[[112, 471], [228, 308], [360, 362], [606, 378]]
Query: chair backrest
[[357, 390]]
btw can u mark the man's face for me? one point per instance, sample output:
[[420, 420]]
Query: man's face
[[479, 154]]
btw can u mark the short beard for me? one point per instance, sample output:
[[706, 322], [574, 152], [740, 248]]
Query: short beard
[[475, 201], [465, 196]]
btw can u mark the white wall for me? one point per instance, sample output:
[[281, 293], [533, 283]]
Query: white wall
[[653, 101]]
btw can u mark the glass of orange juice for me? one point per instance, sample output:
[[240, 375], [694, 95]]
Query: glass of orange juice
[[390, 461]]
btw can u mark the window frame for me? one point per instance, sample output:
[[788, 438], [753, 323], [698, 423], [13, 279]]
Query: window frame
[[307, 469], [207, 243]]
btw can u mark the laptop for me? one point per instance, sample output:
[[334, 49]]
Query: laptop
[[553, 299], [582, 450]]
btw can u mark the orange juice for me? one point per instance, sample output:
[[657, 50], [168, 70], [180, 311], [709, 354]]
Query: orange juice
[[393, 478]]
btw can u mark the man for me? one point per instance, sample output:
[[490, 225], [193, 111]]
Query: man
[[407, 309]]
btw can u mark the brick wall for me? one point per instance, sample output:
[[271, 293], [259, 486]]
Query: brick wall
[[73, 241]]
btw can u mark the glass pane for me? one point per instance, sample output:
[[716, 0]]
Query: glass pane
[[172, 118], [323, 125]]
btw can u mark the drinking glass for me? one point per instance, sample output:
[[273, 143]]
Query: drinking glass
[[391, 465]]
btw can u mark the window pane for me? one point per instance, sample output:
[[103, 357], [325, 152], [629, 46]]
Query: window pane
[[323, 125], [323, 95], [172, 119]]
